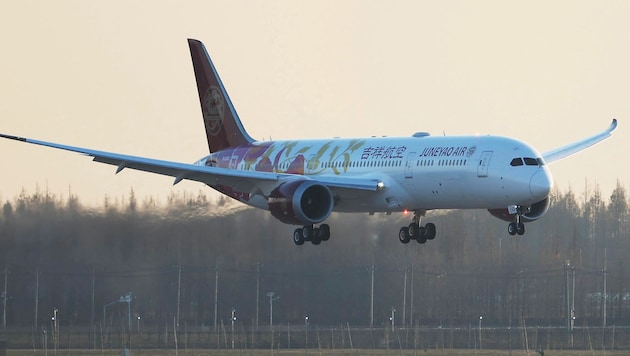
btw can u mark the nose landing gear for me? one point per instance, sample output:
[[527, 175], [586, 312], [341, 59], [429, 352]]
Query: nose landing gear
[[517, 227]]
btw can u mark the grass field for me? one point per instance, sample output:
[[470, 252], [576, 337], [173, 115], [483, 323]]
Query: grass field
[[313, 352]]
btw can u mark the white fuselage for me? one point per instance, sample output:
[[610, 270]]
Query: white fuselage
[[420, 172]]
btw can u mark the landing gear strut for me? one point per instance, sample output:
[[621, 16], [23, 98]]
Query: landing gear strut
[[311, 233], [415, 231]]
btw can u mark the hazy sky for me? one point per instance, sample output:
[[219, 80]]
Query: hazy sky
[[117, 76]]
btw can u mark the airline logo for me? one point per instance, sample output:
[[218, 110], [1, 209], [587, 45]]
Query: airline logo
[[213, 110], [448, 151]]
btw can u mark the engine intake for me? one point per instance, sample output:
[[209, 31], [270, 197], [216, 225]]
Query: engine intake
[[535, 212], [301, 202]]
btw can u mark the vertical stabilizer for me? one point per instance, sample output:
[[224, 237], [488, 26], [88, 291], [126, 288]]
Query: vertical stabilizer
[[223, 127]]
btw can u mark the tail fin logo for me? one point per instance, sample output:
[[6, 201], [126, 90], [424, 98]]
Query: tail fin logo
[[213, 110]]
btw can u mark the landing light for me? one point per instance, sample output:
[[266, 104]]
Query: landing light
[[380, 185]]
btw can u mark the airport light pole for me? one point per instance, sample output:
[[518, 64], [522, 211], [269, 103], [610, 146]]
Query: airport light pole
[[123, 299], [404, 311], [45, 341], [4, 299], [392, 318], [216, 294], [233, 320], [372, 299], [306, 332], [127, 299], [272, 296], [605, 291], [257, 292], [480, 318], [55, 322], [36, 298], [179, 291]]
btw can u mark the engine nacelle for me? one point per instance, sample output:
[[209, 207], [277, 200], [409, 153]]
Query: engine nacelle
[[534, 212], [301, 202]]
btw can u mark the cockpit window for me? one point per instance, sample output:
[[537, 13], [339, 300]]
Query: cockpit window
[[518, 161], [530, 161], [533, 161]]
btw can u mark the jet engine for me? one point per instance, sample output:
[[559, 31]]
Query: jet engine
[[529, 214], [301, 202]]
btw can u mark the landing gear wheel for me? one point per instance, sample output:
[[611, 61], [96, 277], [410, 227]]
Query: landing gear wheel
[[512, 228], [324, 232], [308, 232], [414, 230], [422, 236], [298, 237], [520, 228], [316, 235], [316, 239], [403, 235], [430, 231]]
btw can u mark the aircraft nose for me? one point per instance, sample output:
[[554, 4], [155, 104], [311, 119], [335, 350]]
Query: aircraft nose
[[540, 184]]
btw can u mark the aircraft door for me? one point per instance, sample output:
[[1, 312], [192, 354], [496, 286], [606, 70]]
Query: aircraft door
[[484, 162], [411, 158]]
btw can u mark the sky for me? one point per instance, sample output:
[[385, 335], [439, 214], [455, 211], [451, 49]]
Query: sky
[[117, 76]]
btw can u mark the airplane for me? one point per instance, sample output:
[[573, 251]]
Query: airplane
[[301, 182]]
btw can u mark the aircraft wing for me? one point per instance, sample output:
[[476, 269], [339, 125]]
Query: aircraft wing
[[241, 180], [568, 150]]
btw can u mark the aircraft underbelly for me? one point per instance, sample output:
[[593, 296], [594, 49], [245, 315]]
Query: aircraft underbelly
[[455, 191]]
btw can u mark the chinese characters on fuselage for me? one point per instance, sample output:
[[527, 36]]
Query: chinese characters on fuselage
[[382, 152]]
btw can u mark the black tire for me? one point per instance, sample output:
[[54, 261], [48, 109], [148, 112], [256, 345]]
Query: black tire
[[403, 235], [422, 237], [298, 238], [512, 229], [308, 232], [520, 229], [430, 231], [414, 231], [324, 232]]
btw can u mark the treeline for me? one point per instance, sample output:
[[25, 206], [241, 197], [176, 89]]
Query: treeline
[[194, 259]]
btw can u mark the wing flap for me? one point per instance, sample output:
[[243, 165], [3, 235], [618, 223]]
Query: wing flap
[[568, 150], [353, 183]]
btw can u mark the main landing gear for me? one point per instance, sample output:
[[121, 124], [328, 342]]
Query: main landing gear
[[310, 233], [415, 231]]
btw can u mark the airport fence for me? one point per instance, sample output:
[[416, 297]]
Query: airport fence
[[530, 338]]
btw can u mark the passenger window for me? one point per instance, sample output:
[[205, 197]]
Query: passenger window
[[516, 162]]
